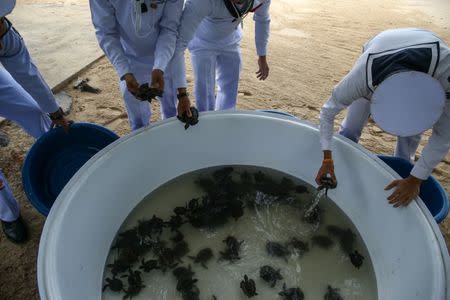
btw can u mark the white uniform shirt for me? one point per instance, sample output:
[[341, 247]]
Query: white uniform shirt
[[387, 53], [115, 20], [211, 21]]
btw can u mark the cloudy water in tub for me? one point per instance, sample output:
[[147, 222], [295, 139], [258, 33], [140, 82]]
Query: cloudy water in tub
[[262, 213]]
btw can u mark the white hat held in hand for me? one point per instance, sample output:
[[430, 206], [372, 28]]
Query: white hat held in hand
[[407, 103]]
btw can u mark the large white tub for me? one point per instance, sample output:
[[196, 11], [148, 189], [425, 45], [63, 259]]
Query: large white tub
[[407, 249]]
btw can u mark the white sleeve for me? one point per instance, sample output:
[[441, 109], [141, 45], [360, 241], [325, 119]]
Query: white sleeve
[[437, 147], [262, 28], [104, 20], [352, 87], [165, 45], [194, 12]]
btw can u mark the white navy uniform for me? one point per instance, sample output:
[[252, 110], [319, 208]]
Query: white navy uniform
[[25, 99], [213, 36], [139, 36], [390, 52]]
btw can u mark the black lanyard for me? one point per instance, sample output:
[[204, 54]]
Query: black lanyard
[[235, 11]]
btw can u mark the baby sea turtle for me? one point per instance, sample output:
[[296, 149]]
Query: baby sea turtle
[[301, 189], [322, 241], [232, 243], [286, 185], [189, 120], [314, 217], [83, 86], [135, 284], [119, 266], [175, 222], [154, 226], [147, 93], [180, 249], [128, 239], [166, 259], [223, 174], [149, 265], [277, 249], [158, 246], [356, 258], [236, 209], [203, 257], [178, 237], [192, 294], [246, 178], [259, 176], [270, 275], [180, 210], [114, 284], [332, 294], [299, 246], [248, 286], [186, 284], [346, 237], [291, 293], [232, 249], [183, 272]]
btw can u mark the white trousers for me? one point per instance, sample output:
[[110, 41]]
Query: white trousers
[[14, 56], [21, 85], [357, 116], [211, 66], [139, 112], [9, 208], [18, 106]]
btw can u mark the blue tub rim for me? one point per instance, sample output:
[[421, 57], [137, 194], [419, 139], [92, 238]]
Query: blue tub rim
[[26, 178]]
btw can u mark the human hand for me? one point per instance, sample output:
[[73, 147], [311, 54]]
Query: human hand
[[326, 171], [184, 106], [60, 120], [157, 80], [263, 71], [132, 84], [405, 191]]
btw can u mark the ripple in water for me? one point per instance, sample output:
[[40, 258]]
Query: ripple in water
[[273, 210]]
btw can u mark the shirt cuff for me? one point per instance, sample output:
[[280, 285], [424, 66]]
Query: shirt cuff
[[53, 107], [420, 171], [122, 69], [325, 144], [159, 65], [179, 81], [261, 50]]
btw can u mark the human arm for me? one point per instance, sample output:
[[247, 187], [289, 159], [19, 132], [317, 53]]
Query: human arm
[[165, 45], [434, 152], [262, 30], [105, 24], [349, 89]]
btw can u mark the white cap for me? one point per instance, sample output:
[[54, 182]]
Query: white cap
[[6, 7], [407, 103]]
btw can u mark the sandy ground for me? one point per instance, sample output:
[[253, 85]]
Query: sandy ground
[[59, 35], [313, 44]]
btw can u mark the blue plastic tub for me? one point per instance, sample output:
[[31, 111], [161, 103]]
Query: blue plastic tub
[[431, 191], [56, 157]]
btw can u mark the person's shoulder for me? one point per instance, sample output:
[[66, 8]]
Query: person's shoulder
[[401, 37]]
